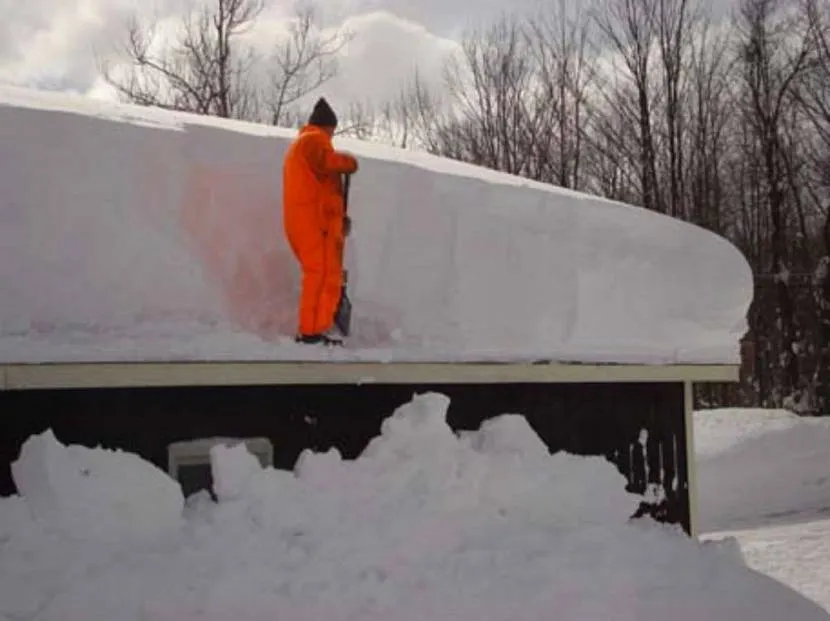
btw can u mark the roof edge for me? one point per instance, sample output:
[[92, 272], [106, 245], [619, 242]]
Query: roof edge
[[169, 374]]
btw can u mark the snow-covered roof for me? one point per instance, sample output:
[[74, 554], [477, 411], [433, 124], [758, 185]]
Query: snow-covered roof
[[135, 234]]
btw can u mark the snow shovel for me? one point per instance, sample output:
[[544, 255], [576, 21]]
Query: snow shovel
[[343, 314]]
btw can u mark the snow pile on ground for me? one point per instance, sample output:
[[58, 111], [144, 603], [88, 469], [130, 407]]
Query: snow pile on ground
[[764, 485], [128, 233], [797, 554], [757, 467], [425, 524], [96, 495], [720, 429]]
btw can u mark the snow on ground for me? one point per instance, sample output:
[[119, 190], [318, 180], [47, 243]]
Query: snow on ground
[[764, 480], [796, 554], [128, 233], [721, 429], [425, 524], [777, 468]]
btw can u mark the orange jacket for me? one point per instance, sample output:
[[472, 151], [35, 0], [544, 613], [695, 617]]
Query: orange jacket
[[312, 193]]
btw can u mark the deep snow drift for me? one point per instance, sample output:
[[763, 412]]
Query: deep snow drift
[[128, 233], [795, 553], [764, 483], [761, 467], [423, 525]]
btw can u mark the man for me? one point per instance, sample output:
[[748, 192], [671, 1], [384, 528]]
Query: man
[[315, 223]]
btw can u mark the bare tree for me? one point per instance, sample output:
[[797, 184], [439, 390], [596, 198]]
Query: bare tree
[[207, 68], [771, 61], [630, 29], [673, 35], [814, 96], [411, 119], [303, 63], [660, 103], [492, 89], [414, 118], [560, 43], [514, 100], [710, 113]]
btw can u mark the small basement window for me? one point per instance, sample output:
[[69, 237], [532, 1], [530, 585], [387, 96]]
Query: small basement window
[[188, 461]]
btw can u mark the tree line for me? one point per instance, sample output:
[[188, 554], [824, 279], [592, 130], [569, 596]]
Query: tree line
[[722, 120]]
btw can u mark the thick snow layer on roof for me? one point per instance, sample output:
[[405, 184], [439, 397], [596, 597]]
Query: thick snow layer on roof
[[130, 233]]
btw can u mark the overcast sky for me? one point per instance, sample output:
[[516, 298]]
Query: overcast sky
[[52, 43]]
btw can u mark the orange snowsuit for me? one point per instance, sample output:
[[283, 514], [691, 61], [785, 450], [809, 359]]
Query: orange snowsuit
[[313, 217]]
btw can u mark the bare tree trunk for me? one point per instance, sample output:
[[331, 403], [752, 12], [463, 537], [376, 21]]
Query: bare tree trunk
[[303, 63], [560, 44], [770, 71], [673, 23], [210, 71], [501, 117], [815, 100], [710, 114], [629, 29]]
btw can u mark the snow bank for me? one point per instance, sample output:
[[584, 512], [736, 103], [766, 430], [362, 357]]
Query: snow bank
[[95, 494], [425, 524], [764, 485], [760, 467], [796, 554], [129, 233], [720, 429]]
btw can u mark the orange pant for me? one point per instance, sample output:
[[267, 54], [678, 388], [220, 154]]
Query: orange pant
[[320, 259]]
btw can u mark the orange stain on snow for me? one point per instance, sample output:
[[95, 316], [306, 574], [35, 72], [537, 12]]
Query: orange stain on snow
[[234, 223]]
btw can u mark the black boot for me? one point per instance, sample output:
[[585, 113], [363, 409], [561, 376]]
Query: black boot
[[315, 339]]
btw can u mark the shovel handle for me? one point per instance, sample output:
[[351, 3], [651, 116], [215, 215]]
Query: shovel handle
[[346, 183]]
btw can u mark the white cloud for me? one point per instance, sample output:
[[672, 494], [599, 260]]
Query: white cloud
[[384, 55], [53, 44], [50, 43]]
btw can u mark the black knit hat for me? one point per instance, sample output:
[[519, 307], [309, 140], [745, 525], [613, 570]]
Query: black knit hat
[[323, 115]]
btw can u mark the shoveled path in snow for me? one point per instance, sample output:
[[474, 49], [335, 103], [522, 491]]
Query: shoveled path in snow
[[764, 479]]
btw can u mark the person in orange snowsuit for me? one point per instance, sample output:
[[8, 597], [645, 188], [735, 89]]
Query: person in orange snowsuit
[[314, 221]]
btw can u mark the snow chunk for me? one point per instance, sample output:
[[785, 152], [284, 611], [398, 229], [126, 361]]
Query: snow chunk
[[313, 467], [96, 494], [232, 468], [520, 465], [14, 514], [415, 426], [509, 435]]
